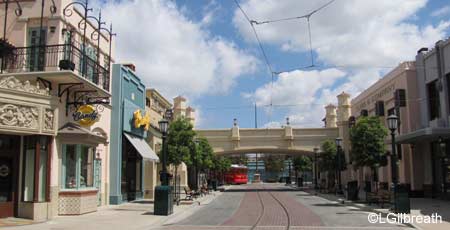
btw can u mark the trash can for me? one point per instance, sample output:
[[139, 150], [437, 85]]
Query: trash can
[[352, 190], [401, 199], [163, 200], [214, 184], [299, 182]]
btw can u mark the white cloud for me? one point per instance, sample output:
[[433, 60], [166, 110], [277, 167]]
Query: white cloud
[[173, 53], [346, 33], [441, 12]]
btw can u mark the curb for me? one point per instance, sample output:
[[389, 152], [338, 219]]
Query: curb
[[189, 210], [362, 206]]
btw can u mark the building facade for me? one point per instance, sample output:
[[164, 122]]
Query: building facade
[[129, 126], [429, 138], [396, 93], [54, 113]]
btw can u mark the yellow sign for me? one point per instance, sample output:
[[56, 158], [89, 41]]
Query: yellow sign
[[86, 115], [140, 120]]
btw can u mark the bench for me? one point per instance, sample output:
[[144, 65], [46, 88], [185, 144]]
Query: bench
[[190, 195], [381, 197]]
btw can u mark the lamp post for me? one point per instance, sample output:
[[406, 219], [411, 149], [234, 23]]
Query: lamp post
[[163, 124], [442, 148], [392, 121], [197, 143], [338, 164], [316, 151], [163, 194]]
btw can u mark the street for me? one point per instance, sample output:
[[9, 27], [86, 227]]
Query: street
[[276, 206]]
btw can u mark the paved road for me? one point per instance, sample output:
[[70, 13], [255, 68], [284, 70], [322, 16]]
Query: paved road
[[275, 206]]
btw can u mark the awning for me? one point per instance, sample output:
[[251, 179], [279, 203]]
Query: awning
[[72, 132], [425, 134], [142, 147]]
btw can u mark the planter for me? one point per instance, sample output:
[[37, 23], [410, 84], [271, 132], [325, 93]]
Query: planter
[[66, 65], [6, 48]]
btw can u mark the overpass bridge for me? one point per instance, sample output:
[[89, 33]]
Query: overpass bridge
[[287, 140]]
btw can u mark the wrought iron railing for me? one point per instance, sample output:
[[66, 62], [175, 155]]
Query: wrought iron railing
[[54, 58]]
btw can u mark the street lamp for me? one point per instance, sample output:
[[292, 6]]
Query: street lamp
[[163, 194], [316, 151], [442, 147], [163, 124], [338, 157], [197, 143], [392, 122]]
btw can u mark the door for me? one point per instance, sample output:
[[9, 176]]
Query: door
[[36, 52], [8, 174], [131, 179]]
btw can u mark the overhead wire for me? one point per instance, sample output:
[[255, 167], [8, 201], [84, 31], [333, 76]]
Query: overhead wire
[[307, 17], [266, 59]]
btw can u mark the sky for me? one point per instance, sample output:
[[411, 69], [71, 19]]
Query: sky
[[206, 51]]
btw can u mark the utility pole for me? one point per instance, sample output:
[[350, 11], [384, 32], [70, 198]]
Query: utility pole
[[256, 126]]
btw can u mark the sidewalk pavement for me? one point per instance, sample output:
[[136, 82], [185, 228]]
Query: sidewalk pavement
[[133, 215], [419, 207]]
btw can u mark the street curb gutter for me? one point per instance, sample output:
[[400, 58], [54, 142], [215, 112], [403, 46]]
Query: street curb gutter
[[363, 207], [182, 214]]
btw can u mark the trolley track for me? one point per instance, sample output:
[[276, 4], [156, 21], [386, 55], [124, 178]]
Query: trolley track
[[262, 212]]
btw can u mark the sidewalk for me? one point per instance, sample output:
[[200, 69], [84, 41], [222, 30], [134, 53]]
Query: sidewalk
[[419, 207], [135, 215]]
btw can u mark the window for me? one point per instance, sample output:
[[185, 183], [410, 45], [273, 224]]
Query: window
[[434, 104], [36, 175], [78, 166]]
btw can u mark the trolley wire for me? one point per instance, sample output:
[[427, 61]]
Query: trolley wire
[[308, 15], [266, 59]]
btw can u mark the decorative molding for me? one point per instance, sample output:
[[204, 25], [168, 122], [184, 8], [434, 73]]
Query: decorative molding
[[49, 119], [19, 116], [13, 83]]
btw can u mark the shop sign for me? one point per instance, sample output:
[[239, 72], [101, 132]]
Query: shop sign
[[86, 115], [141, 121]]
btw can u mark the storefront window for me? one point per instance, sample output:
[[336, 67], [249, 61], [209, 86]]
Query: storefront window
[[78, 166], [36, 160], [70, 166], [87, 167]]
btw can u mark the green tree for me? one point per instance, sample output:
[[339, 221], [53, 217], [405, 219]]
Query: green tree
[[205, 154], [240, 160], [367, 140], [327, 158], [221, 164], [302, 164], [273, 163], [180, 142]]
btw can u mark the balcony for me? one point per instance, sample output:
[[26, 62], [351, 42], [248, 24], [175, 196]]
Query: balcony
[[54, 58]]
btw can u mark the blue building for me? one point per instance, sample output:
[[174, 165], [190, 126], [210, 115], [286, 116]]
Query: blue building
[[129, 126]]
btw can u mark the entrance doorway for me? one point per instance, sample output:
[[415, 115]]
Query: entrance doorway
[[131, 172], [9, 174]]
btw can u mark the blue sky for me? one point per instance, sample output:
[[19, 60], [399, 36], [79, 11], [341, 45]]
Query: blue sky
[[205, 50]]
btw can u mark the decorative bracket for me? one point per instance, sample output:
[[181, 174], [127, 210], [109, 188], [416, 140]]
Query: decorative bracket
[[46, 83]]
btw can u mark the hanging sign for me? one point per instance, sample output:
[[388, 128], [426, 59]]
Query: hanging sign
[[141, 121], [86, 115]]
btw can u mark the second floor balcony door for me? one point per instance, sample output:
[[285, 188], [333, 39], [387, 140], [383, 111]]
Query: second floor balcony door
[[36, 52]]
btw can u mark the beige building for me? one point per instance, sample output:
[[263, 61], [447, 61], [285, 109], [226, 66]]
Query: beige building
[[54, 113], [398, 87], [156, 105]]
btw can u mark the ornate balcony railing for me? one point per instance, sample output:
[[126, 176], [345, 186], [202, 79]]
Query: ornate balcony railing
[[54, 58]]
